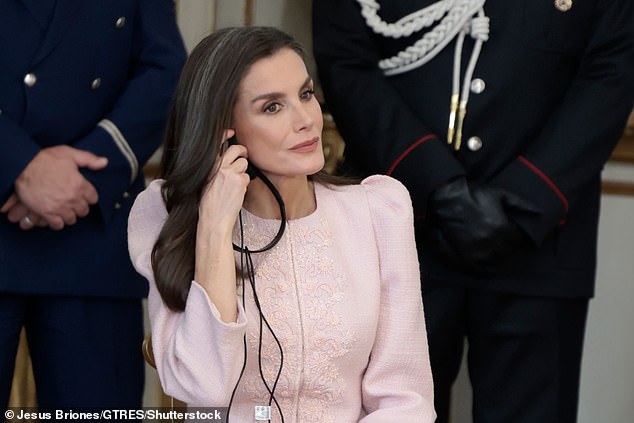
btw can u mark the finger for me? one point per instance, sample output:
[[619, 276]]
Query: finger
[[12, 201], [233, 153], [54, 222], [89, 193], [84, 158], [519, 203], [240, 165], [17, 213], [40, 222], [97, 164], [63, 218], [26, 223], [246, 180], [82, 209], [70, 218]]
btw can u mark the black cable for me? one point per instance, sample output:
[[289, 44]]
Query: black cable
[[244, 337], [280, 203], [277, 341], [246, 252]]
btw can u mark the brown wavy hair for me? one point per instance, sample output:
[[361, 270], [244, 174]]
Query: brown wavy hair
[[201, 111]]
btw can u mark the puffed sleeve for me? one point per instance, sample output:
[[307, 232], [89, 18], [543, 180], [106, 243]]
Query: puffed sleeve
[[397, 385], [197, 355]]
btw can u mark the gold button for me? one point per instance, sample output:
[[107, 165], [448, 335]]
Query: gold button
[[474, 143], [563, 5], [30, 79], [126, 195], [477, 86], [117, 205], [120, 22], [96, 83]]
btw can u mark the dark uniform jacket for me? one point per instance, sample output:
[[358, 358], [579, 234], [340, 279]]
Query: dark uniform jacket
[[558, 87], [98, 76]]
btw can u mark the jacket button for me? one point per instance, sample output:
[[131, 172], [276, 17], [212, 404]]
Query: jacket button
[[126, 195], [563, 5], [30, 79], [477, 86], [117, 206], [120, 23], [96, 83], [474, 143]]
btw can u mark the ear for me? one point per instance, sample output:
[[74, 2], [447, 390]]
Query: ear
[[229, 133]]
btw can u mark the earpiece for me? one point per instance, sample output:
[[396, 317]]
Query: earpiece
[[252, 171]]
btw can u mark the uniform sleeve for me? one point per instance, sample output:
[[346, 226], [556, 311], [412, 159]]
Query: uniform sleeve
[[133, 129], [380, 131], [197, 355], [577, 140], [397, 385]]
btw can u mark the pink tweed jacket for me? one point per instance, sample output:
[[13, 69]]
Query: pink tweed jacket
[[341, 291]]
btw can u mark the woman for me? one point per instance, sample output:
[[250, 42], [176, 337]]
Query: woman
[[330, 327]]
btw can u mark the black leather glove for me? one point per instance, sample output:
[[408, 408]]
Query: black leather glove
[[472, 228]]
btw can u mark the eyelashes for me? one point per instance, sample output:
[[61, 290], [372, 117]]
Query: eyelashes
[[275, 106], [308, 94]]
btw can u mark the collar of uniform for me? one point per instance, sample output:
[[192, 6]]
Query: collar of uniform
[[42, 10]]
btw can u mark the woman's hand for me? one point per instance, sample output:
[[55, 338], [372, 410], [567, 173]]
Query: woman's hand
[[217, 213], [224, 194]]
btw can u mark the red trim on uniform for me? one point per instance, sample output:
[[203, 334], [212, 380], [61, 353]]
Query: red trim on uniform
[[548, 181], [407, 151]]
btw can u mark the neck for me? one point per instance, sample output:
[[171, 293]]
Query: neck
[[297, 194]]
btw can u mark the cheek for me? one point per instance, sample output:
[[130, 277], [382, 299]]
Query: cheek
[[258, 137], [317, 115], [263, 147]]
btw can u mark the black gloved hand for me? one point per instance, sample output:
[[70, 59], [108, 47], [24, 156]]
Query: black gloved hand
[[472, 228]]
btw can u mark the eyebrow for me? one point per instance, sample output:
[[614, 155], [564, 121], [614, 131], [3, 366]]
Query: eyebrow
[[269, 96]]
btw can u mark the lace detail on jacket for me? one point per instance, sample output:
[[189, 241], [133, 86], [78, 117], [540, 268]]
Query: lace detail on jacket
[[299, 286]]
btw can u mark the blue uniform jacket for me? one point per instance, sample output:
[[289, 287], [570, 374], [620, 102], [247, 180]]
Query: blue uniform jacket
[[98, 76]]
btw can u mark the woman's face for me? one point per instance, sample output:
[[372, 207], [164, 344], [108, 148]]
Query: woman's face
[[277, 117]]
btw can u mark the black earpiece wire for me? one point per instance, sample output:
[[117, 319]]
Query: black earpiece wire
[[271, 391], [245, 252], [244, 337], [258, 173]]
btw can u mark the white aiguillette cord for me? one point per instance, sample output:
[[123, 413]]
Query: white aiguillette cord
[[456, 18]]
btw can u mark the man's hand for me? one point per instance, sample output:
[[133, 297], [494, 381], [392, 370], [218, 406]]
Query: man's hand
[[52, 187], [473, 228], [17, 212]]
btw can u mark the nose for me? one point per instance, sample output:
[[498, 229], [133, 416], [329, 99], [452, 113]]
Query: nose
[[303, 118]]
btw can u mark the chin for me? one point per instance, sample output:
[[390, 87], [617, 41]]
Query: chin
[[310, 167], [303, 167], [318, 166]]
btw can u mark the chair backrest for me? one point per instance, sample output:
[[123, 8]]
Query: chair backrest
[[166, 400], [148, 353]]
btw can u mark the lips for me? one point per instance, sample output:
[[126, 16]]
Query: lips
[[306, 146]]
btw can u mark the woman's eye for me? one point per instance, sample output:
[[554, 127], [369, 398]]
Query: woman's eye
[[308, 94], [272, 108]]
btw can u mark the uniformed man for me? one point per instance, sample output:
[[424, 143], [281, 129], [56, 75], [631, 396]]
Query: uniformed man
[[498, 116], [84, 92]]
